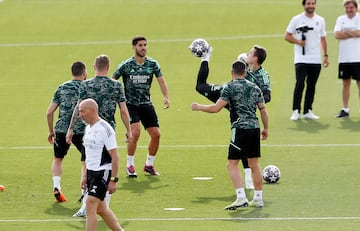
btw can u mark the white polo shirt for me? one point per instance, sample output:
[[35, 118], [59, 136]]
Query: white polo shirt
[[97, 137], [313, 38], [349, 49]]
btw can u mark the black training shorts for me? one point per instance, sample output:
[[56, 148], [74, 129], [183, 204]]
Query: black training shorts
[[97, 183], [61, 147], [349, 70], [144, 113], [245, 143]]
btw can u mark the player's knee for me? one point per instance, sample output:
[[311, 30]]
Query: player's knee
[[200, 88]]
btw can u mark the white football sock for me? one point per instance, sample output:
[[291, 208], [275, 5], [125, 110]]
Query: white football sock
[[130, 161], [83, 206], [247, 172], [149, 160], [240, 193], [56, 181], [107, 198], [258, 194]]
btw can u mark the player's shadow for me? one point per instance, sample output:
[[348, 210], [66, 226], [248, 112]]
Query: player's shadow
[[141, 184], [58, 209], [249, 213], [350, 124], [309, 126], [243, 214], [206, 200]]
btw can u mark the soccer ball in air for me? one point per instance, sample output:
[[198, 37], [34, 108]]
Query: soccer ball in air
[[242, 57], [271, 174], [199, 47]]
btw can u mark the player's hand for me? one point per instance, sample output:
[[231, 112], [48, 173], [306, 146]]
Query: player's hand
[[51, 137], [264, 134], [83, 182], [300, 42], [326, 62], [112, 187], [69, 136], [195, 106], [166, 103], [128, 136]]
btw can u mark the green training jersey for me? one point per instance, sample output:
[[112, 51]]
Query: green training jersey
[[66, 97], [137, 79], [242, 97], [106, 92], [260, 77]]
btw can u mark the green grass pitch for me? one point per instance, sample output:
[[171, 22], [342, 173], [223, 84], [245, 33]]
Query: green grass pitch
[[319, 161]]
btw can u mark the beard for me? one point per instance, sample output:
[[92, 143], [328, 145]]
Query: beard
[[310, 10], [141, 53]]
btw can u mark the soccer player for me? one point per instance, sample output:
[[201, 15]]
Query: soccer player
[[307, 31], [243, 98], [347, 31], [108, 93], [102, 164], [137, 74], [65, 98], [256, 74]]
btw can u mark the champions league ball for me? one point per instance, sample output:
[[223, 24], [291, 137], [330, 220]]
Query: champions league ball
[[242, 57], [199, 47], [271, 174]]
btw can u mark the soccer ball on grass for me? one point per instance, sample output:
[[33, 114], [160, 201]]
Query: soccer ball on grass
[[199, 47], [271, 174]]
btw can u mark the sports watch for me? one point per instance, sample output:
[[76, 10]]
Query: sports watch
[[114, 178]]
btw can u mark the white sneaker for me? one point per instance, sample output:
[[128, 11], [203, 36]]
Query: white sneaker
[[239, 203], [295, 115], [310, 115], [130, 171], [257, 203], [80, 213]]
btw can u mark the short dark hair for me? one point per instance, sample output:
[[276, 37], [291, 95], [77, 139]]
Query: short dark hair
[[354, 2], [260, 53], [138, 38], [78, 68], [102, 62], [304, 1], [239, 67]]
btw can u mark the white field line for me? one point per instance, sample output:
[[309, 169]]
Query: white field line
[[79, 43], [191, 219], [200, 146]]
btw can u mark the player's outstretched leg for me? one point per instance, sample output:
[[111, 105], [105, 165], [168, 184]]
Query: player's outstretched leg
[[210, 91]]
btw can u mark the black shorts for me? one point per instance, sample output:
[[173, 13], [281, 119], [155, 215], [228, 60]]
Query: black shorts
[[245, 143], [349, 70], [97, 183], [61, 147], [145, 113]]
